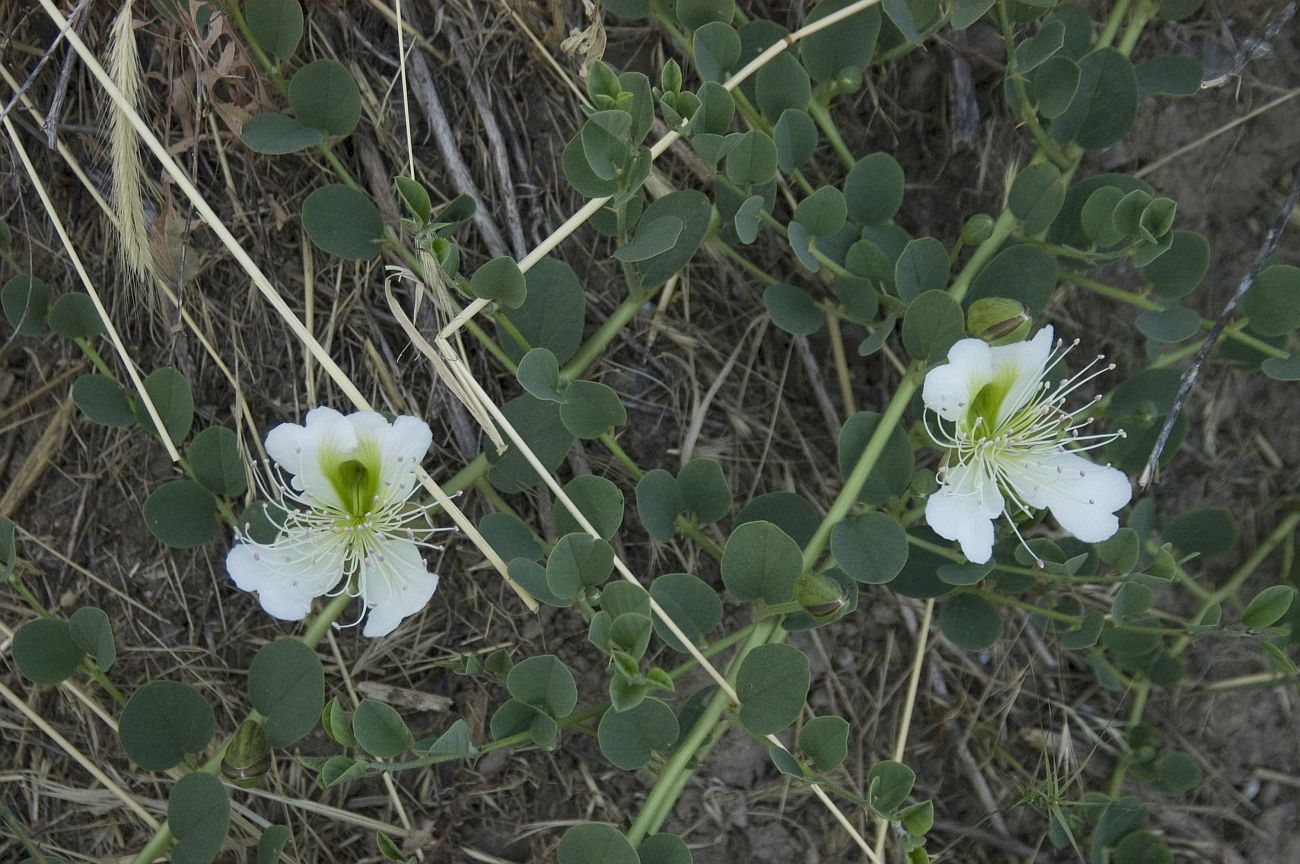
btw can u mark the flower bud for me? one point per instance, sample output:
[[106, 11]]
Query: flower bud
[[848, 80], [998, 320], [977, 229], [248, 757], [820, 596]]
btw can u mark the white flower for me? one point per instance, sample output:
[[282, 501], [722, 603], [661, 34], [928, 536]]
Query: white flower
[[351, 477], [1014, 447]]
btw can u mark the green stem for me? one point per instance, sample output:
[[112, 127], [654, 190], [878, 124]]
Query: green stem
[[821, 114]]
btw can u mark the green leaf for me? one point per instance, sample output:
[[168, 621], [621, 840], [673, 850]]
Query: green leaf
[[500, 280], [849, 44], [102, 400], [823, 212], [825, 740], [922, 267], [172, 399], [198, 813], [1033, 52], [455, 742], [1119, 818], [1282, 369], [182, 514], [218, 465], [538, 424], [747, 216], [25, 300], [782, 83], [1268, 606], [595, 843], [1024, 273], [46, 652], [380, 730], [663, 848], [1170, 75], [1177, 773], [338, 770], [714, 116], [888, 785], [752, 162], [793, 514], [1208, 532], [1054, 86], [695, 212], [1036, 196], [716, 48], [606, 143], [963, 574], [1273, 302], [772, 685], [761, 562], [1132, 600], [598, 499], [1168, 326], [388, 848], [343, 222], [1086, 634], [967, 12], [272, 843], [658, 502], [970, 622], [1142, 847], [1122, 551], [652, 238], [324, 95], [873, 189], [699, 13], [539, 373], [691, 604], [74, 316], [871, 547], [415, 197], [893, 471], [792, 309], [1180, 270], [552, 313], [286, 683], [629, 739], [1105, 106], [276, 25], [163, 721], [276, 134], [934, 322], [785, 763], [93, 633], [544, 682], [531, 576], [337, 723], [900, 13], [578, 561], [704, 490], [795, 137], [590, 409]]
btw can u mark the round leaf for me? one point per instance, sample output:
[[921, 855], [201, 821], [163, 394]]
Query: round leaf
[[173, 400], [752, 161], [970, 622], [658, 502], [795, 137], [25, 300], [380, 730], [198, 813], [73, 316], [343, 222], [1036, 196], [792, 513], [538, 423], [544, 682], [286, 683], [1207, 532], [595, 843], [218, 465], [629, 739], [46, 651], [823, 212], [872, 547], [590, 409], [792, 309], [772, 685], [93, 633], [850, 43], [691, 604], [182, 514], [1177, 272], [1273, 302], [163, 721], [761, 562], [893, 471], [1268, 606], [664, 848], [1105, 105], [102, 400], [695, 212], [873, 189], [552, 313], [1024, 273], [272, 843], [276, 25], [501, 280], [276, 134], [598, 499], [934, 322], [324, 96], [923, 267], [825, 740], [704, 490], [578, 561], [716, 48]]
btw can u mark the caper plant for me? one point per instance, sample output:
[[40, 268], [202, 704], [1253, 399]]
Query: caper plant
[[995, 477]]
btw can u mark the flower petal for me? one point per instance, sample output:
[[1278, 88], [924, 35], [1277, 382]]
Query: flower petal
[[288, 574], [397, 448], [327, 441], [1021, 366], [394, 584], [963, 509], [950, 388], [1082, 496]]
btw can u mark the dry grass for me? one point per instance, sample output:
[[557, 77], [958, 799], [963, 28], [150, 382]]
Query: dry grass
[[987, 731]]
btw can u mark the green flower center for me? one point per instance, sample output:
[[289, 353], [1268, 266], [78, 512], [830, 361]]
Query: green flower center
[[357, 485]]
